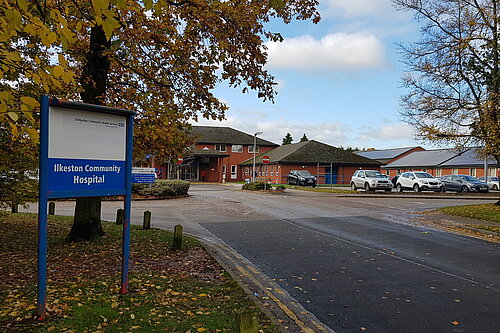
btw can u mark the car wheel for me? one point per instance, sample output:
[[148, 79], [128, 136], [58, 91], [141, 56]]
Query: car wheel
[[416, 188], [353, 187], [399, 188], [367, 187], [495, 187], [289, 182], [442, 189], [464, 189]]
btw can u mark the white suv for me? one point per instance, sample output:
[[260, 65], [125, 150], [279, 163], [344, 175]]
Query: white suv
[[418, 181], [370, 180]]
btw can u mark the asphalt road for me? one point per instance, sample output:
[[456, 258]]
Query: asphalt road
[[356, 263]]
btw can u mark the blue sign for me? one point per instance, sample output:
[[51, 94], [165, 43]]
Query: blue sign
[[143, 175], [85, 151], [143, 178], [85, 175]]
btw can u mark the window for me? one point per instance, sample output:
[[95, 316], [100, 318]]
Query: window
[[454, 171], [472, 172], [224, 171], [438, 172], [237, 149], [492, 172], [220, 147], [234, 170], [250, 149]]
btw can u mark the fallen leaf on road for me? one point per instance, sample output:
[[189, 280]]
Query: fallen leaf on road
[[455, 323]]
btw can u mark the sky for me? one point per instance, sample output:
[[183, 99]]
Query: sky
[[339, 81]]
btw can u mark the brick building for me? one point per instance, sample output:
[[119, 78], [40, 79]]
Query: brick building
[[216, 155], [329, 164], [440, 162]]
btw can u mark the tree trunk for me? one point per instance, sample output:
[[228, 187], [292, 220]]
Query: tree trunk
[[497, 157], [87, 220]]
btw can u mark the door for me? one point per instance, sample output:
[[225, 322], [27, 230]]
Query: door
[[234, 171], [331, 175], [223, 172]]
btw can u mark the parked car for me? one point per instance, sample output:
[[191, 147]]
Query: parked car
[[492, 183], [370, 180], [301, 178], [463, 183], [418, 181]]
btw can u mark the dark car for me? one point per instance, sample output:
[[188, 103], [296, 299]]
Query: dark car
[[463, 183], [301, 178]]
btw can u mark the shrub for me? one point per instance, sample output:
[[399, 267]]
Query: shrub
[[257, 186], [280, 188], [162, 188]]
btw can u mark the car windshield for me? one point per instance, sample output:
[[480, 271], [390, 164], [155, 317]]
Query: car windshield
[[303, 173], [423, 175], [374, 174], [469, 178]]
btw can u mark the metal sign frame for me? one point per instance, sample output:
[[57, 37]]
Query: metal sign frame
[[53, 190]]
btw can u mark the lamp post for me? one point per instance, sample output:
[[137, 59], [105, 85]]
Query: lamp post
[[254, 148]]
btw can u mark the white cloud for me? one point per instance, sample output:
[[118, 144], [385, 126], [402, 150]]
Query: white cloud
[[339, 51], [397, 131], [333, 133]]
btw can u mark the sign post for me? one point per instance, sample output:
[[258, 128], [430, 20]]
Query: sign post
[[265, 159], [85, 151]]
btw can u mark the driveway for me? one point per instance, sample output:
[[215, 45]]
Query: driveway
[[325, 262]]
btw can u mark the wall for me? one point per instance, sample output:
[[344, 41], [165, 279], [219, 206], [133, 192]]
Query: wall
[[234, 159], [479, 171], [344, 173]]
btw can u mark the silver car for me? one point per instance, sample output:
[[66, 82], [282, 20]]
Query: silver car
[[492, 183], [370, 180]]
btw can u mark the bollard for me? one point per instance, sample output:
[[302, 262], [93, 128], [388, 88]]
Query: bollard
[[52, 208], [146, 222], [246, 322], [177, 237], [15, 208], [120, 216]]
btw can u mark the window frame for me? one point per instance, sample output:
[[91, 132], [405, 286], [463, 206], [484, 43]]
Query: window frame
[[238, 147], [256, 149], [218, 147]]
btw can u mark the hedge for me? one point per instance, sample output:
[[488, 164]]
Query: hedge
[[257, 186], [162, 188]]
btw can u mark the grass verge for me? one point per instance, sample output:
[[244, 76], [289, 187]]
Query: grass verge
[[322, 189], [169, 291], [487, 212]]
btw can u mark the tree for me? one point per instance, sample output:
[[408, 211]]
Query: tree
[[350, 149], [287, 139], [160, 58], [304, 138], [17, 160], [453, 73]]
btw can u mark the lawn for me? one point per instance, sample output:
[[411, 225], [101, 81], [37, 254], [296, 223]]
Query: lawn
[[322, 189], [487, 212], [169, 291]]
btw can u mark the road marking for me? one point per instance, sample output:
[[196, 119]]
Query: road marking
[[228, 255], [248, 212], [392, 255]]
